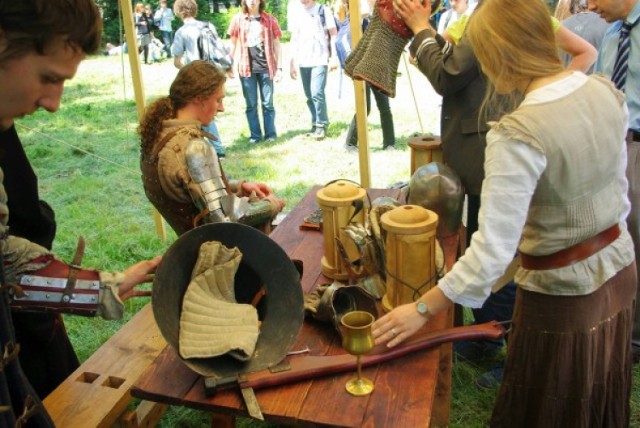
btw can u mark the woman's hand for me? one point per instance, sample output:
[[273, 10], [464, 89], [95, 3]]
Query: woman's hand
[[398, 325], [137, 274]]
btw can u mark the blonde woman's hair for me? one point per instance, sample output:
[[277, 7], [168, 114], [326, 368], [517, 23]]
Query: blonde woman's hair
[[513, 41], [195, 81]]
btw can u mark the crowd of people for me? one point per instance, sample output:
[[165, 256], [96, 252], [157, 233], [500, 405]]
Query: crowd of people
[[554, 181]]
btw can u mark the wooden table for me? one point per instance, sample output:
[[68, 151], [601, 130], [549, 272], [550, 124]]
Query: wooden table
[[412, 391]]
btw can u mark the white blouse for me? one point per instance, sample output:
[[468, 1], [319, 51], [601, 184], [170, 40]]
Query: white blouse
[[512, 170]]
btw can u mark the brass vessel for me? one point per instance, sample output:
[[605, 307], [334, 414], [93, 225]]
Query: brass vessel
[[357, 340]]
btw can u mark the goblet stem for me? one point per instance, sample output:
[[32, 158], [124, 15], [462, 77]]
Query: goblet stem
[[359, 366]]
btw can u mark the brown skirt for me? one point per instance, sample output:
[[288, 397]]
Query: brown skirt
[[569, 359]]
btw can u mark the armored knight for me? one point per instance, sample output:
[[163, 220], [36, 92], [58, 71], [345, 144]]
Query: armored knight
[[182, 175], [184, 180]]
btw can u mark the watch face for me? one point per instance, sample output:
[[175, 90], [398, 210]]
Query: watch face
[[422, 308]]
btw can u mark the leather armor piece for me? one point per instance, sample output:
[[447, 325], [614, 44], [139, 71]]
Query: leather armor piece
[[45, 290], [180, 216]]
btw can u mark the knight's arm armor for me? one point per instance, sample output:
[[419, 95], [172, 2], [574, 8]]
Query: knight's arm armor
[[222, 205], [204, 169], [38, 281]]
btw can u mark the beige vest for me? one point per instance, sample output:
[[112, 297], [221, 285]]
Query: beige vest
[[579, 194]]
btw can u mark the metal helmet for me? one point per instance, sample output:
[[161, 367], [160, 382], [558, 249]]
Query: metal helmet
[[438, 188], [264, 264]]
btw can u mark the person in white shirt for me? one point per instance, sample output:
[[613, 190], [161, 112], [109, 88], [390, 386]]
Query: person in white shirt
[[313, 41]]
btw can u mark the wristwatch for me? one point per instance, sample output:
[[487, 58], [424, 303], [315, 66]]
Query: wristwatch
[[422, 309]]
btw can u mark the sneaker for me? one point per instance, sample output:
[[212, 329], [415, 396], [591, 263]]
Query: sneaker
[[319, 133], [351, 148], [492, 378], [270, 139], [253, 141], [388, 147], [311, 132]]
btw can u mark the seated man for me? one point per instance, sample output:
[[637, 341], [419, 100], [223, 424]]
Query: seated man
[[182, 176]]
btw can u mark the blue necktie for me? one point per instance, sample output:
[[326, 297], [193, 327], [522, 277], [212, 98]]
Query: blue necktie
[[619, 76]]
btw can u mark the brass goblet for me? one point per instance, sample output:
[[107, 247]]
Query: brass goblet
[[357, 340]]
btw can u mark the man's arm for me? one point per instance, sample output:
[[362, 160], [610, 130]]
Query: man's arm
[[449, 68], [277, 47]]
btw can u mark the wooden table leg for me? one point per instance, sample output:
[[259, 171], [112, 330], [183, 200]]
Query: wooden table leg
[[222, 420], [442, 401]]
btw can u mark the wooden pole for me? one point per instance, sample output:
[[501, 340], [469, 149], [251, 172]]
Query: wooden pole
[[361, 102], [138, 88]]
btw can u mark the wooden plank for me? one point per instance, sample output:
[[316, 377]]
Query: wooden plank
[[167, 376], [98, 392]]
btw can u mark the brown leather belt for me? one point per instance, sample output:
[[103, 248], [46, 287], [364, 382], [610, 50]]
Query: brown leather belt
[[573, 254]]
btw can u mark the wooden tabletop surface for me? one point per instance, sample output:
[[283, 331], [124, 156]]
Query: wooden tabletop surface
[[411, 391]]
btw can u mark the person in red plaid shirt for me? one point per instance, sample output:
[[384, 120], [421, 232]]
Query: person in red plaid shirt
[[255, 47]]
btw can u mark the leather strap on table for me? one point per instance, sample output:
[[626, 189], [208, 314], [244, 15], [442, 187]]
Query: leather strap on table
[[74, 267], [573, 254]]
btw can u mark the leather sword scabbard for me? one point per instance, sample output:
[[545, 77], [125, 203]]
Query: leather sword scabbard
[[309, 367]]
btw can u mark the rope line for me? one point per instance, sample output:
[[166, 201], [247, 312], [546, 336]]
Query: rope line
[[86, 152]]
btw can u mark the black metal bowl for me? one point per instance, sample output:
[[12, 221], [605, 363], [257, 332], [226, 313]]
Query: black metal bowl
[[263, 263]]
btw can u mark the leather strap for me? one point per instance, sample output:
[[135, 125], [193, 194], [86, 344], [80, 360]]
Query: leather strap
[[633, 136], [157, 148], [573, 254], [74, 267]]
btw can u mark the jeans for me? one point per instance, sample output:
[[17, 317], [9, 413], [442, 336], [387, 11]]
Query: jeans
[[212, 129], [314, 81], [499, 307], [386, 118], [167, 39], [250, 87]]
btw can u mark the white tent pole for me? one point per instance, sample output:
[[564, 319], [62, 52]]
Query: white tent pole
[[138, 88], [361, 106]]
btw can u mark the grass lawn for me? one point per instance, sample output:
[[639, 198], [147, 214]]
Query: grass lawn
[[86, 157]]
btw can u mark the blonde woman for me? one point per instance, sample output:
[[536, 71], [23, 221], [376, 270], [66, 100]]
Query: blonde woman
[[554, 189]]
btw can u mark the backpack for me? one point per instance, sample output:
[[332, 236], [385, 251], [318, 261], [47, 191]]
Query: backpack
[[212, 49], [323, 20]]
